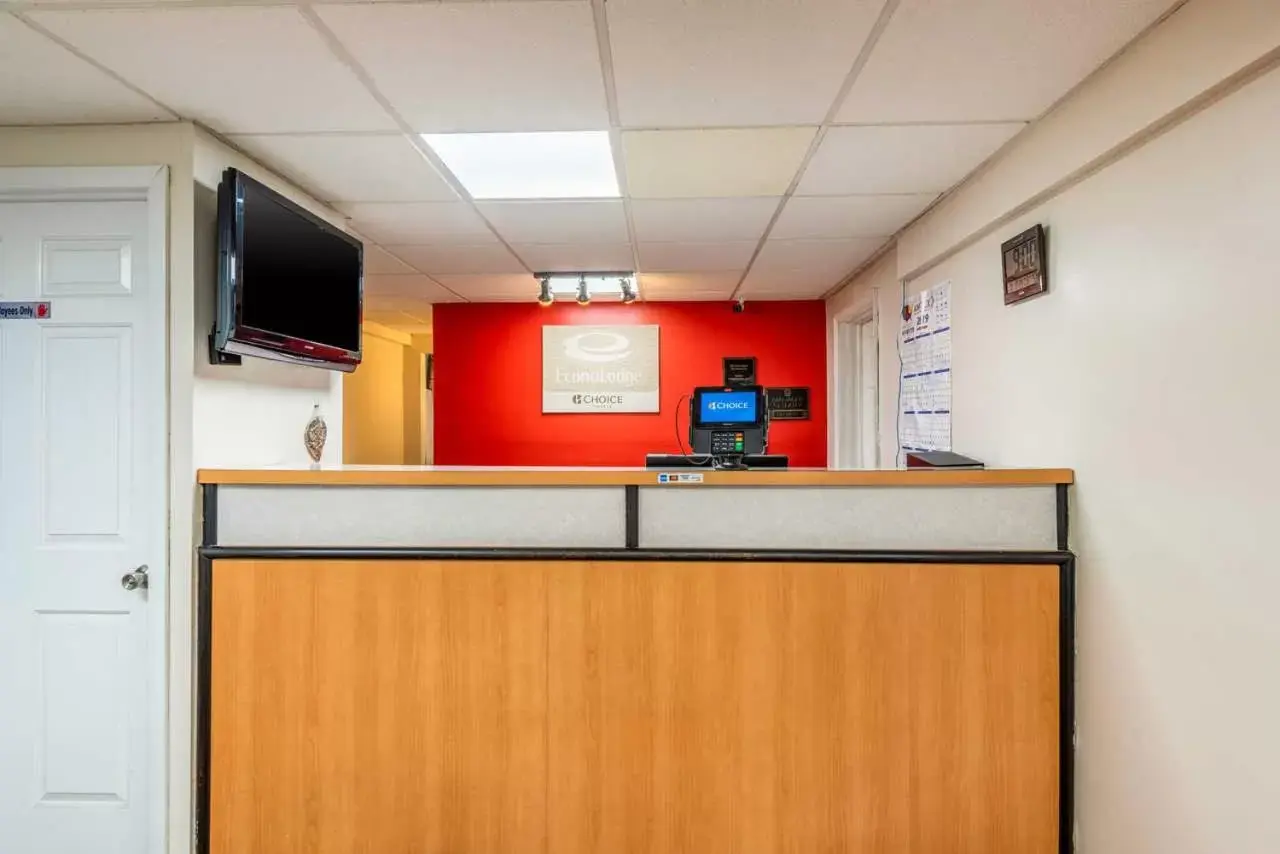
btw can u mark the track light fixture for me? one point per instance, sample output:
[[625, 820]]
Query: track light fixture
[[587, 287]]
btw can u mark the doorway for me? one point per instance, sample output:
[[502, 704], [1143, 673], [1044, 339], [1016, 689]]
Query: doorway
[[857, 392], [83, 515]]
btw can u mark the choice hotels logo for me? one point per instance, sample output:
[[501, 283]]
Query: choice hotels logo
[[597, 399], [597, 346]]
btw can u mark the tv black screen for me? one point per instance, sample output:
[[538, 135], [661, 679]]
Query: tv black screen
[[290, 283]]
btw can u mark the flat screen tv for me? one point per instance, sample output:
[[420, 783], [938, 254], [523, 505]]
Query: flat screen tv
[[290, 285]]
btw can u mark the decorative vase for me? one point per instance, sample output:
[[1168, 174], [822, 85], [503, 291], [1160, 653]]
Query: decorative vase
[[317, 431]]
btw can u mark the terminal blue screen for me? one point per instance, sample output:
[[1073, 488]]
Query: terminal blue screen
[[728, 407]]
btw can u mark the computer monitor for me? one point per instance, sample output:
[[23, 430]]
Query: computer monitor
[[728, 422], [727, 408]]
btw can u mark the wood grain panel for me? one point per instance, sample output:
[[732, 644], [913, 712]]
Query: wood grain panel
[[984, 709], [800, 708], [746, 708], [425, 707], [389, 708]]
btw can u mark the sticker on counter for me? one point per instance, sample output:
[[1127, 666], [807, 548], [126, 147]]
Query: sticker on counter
[[26, 310], [680, 477]]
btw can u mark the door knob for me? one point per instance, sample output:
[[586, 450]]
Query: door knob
[[135, 580]]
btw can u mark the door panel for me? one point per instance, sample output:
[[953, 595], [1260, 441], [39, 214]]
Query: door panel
[[82, 486], [78, 267], [85, 423], [83, 758]]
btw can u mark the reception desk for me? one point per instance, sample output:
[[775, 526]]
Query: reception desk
[[611, 661]]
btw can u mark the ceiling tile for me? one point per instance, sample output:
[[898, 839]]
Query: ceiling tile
[[703, 285], [107, 3], [943, 60], [682, 164], [733, 62], [378, 262], [351, 167], [575, 258], [900, 159], [394, 319], [690, 296], [439, 261], [786, 284], [848, 216], [418, 223], [702, 220], [413, 286], [838, 256], [782, 296], [558, 222], [510, 288], [480, 66], [674, 257], [244, 69], [42, 83], [806, 268], [418, 310], [415, 318]]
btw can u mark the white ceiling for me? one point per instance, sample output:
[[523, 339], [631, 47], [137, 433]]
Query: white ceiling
[[766, 148]]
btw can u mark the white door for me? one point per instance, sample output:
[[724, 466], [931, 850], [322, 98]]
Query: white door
[[857, 394], [82, 502], [868, 392]]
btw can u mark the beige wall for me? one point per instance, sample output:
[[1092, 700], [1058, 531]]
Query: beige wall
[[1204, 46], [374, 405], [169, 145], [1149, 369], [248, 416], [384, 402], [253, 414], [877, 284], [423, 343]]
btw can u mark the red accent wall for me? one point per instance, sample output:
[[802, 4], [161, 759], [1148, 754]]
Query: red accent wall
[[488, 379]]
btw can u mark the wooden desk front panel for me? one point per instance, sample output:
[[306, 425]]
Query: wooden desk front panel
[[633, 708], [378, 708]]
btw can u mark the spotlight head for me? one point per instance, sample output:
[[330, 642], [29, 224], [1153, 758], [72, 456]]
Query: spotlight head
[[628, 290], [584, 296], [545, 297]]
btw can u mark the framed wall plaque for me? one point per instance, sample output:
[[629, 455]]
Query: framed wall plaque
[[787, 404], [1026, 265], [739, 371]]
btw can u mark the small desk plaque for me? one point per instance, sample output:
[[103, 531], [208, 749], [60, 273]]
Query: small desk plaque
[[788, 404]]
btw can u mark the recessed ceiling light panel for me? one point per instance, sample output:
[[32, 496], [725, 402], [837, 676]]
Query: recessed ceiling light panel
[[552, 165]]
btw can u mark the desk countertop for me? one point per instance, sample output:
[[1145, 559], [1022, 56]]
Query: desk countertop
[[463, 476]]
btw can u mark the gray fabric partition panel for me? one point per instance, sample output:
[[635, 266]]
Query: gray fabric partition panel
[[910, 518], [444, 516]]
